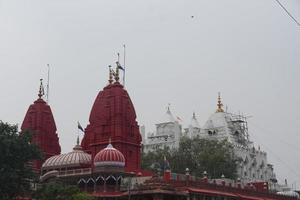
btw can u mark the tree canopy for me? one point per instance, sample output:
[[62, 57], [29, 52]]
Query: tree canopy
[[199, 155], [59, 191], [16, 151]]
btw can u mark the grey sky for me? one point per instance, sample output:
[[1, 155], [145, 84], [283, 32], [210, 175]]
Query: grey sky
[[247, 50]]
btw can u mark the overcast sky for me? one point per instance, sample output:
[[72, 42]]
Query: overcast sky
[[248, 50]]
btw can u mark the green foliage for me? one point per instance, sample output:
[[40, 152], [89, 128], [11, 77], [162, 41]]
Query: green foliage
[[154, 160], [16, 151], [199, 155], [83, 196], [59, 191]]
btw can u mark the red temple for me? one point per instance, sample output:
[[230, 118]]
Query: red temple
[[40, 121], [113, 117]]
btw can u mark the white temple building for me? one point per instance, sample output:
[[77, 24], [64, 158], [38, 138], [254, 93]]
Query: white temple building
[[168, 133], [253, 164]]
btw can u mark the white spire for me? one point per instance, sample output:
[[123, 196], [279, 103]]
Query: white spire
[[168, 116], [194, 121]]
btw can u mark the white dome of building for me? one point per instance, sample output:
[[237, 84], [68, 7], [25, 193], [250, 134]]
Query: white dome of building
[[216, 120], [168, 117]]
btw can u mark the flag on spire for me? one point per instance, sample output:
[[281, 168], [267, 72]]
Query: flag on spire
[[120, 67], [79, 126]]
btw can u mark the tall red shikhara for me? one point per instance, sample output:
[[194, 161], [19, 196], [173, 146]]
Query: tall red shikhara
[[113, 118], [39, 120]]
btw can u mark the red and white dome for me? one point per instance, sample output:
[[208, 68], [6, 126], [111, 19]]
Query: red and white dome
[[75, 159], [109, 157]]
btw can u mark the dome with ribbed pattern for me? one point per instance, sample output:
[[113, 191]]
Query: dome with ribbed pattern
[[109, 157], [74, 159]]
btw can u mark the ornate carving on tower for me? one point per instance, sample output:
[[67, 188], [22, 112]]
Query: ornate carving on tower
[[110, 80], [39, 120], [113, 116]]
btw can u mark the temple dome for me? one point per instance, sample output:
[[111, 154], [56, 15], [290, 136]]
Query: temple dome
[[75, 159], [219, 118], [168, 117], [100, 110], [216, 120], [109, 157]]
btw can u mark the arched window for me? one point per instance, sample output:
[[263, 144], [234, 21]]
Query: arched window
[[81, 184], [110, 183], [100, 183], [90, 185]]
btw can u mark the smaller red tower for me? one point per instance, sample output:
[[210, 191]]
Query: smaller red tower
[[40, 121]]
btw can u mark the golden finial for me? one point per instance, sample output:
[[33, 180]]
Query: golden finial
[[41, 90], [220, 105], [117, 72], [110, 80]]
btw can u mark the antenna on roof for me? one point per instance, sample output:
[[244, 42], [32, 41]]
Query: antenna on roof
[[48, 81]]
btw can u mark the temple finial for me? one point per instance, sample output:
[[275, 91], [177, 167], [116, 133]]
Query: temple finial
[[117, 71], [194, 115], [41, 90], [77, 146], [220, 105], [168, 107], [110, 79], [77, 140]]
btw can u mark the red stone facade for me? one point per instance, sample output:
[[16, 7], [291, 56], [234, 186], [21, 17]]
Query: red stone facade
[[113, 117], [39, 120]]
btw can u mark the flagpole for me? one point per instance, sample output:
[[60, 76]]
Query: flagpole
[[48, 83], [77, 129], [124, 71]]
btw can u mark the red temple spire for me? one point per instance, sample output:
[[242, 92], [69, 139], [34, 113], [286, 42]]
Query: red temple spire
[[113, 118], [40, 121]]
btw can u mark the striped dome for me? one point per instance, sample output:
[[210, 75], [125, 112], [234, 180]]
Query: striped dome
[[76, 158], [110, 157]]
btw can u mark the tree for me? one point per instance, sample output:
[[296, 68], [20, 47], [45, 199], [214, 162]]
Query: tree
[[59, 191], [199, 155], [16, 151], [83, 196], [154, 160]]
